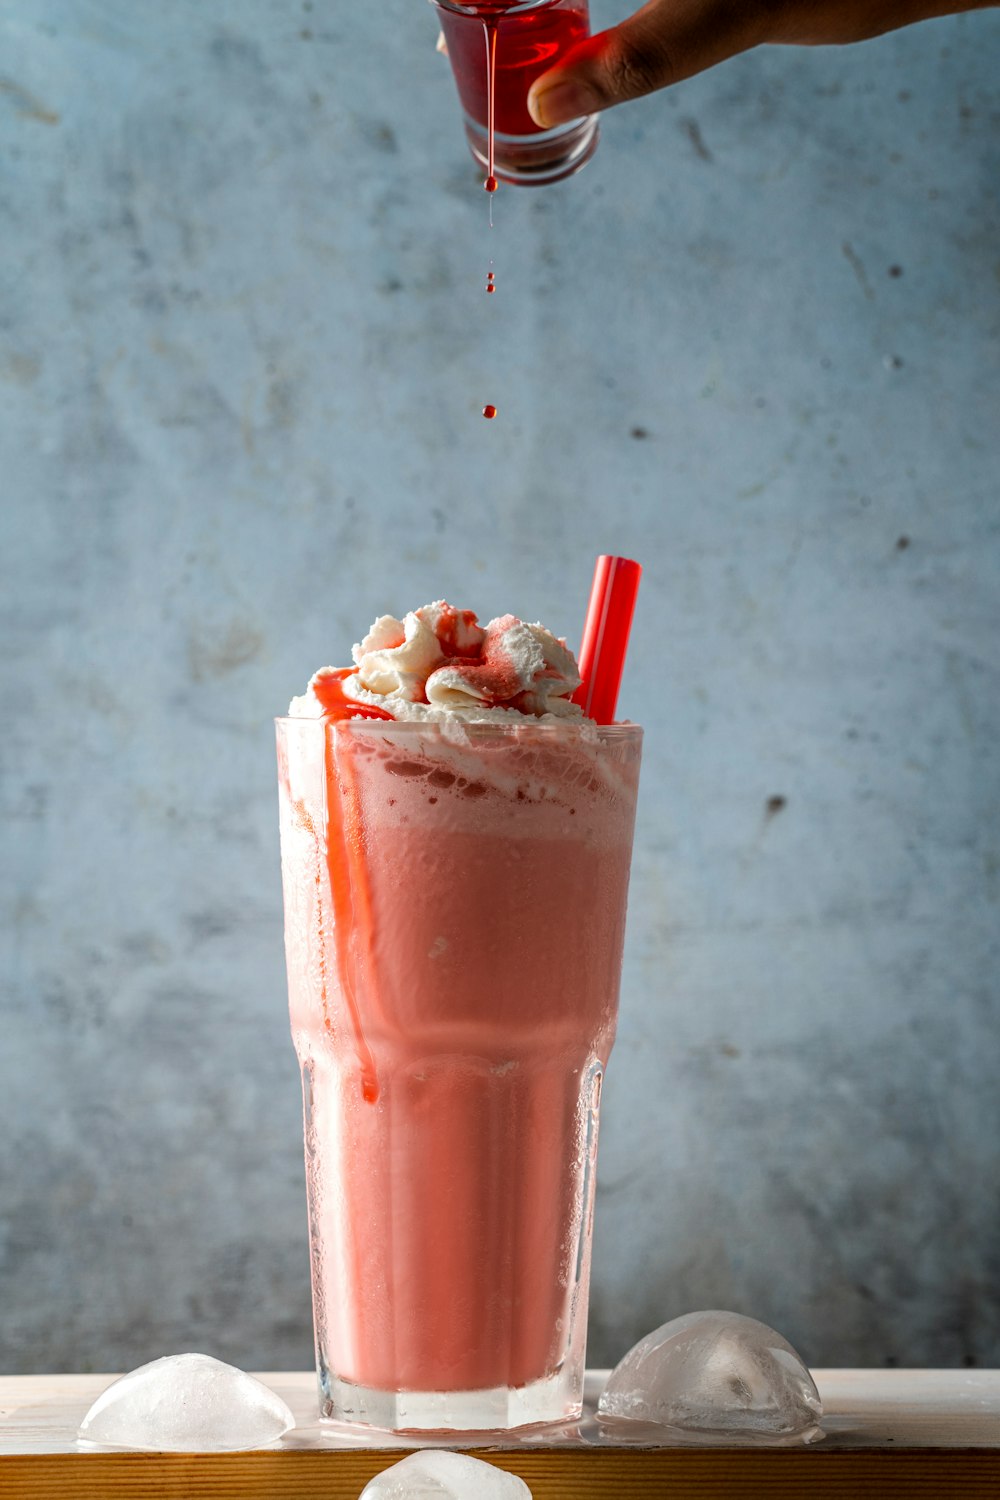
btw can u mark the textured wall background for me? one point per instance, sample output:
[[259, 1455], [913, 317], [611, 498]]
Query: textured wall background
[[243, 345]]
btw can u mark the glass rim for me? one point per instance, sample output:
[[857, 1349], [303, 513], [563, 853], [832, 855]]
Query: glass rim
[[514, 8], [626, 730]]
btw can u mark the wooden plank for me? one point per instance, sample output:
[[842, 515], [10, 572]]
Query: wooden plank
[[570, 1474], [890, 1434], [863, 1408]]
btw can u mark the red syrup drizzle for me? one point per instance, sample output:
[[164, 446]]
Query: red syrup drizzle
[[491, 29], [350, 894], [347, 872], [447, 628], [492, 672], [328, 688]]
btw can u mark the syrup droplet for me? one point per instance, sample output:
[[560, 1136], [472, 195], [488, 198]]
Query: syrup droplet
[[490, 282], [489, 412], [490, 184]]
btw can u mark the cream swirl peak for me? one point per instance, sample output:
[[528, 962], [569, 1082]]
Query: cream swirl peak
[[439, 663]]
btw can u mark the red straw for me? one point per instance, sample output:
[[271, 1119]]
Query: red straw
[[605, 636]]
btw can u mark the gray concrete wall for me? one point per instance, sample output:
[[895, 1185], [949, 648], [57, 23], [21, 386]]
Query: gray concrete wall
[[243, 345]]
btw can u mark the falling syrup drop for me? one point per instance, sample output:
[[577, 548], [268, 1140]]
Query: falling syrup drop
[[489, 412]]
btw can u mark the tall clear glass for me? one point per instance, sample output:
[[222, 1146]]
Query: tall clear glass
[[454, 918], [531, 36]]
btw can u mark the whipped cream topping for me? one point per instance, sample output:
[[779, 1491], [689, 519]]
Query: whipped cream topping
[[438, 663]]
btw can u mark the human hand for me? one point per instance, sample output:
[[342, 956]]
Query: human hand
[[668, 40]]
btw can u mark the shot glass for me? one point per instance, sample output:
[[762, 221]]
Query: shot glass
[[531, 36], [454, 920]]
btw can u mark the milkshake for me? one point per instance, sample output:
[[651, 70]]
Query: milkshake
[[455, 852]]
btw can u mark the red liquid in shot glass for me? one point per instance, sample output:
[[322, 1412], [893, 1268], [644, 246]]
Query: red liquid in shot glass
[[527, 45]]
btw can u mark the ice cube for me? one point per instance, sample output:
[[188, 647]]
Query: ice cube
[[716, 1373], [187, 1403], [434, 1474]]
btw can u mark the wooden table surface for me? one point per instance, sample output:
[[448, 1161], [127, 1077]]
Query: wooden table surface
[[889, 1433]]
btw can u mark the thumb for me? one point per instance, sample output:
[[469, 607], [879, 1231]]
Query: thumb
[[665, 41]]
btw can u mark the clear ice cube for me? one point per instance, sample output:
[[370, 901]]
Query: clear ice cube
[[434, 1474], [715, 1373], [187, 1403]]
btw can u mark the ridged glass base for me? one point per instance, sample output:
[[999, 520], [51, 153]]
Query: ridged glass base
[[555, 1399], [534, 160]]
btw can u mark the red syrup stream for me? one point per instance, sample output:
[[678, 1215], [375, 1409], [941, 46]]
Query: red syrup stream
[[490, 31]]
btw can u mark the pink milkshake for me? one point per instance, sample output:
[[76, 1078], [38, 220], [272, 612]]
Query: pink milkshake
[[455, 849]]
